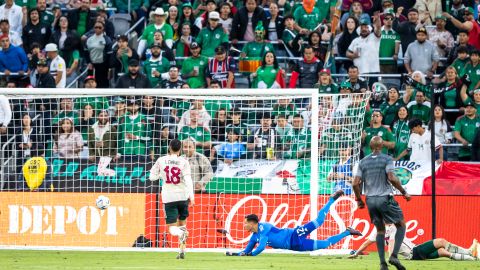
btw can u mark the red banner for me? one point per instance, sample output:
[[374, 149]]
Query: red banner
[[455, 178]]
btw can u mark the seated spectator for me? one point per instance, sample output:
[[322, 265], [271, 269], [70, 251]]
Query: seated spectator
[[428, 11], [365, 49], [276, 24], [269, 74], [265, 143], [43, 77], [341, 172], [285, 107], [5, 119], [29, 140], [166, 51], [285, 133], [389, 43], [441, 38], [12, 59], [67, 110], [200, 113], [58, 68], [123, 53], [233, 149], [221, 68], [15, 38], [219, 125], [99, 55], [358, 84], [301, 139], [226, 16], [464, 132], [87, 119], [119, 111], [376, 129], [245, 21], [421, 55], [307, 16], [390, 107], [213, 29], [443, 129], [102, 138], [326, 84], [462, 39], [202, 172], [81, 19], [14, 14], [174, 80], [182, 44], [193, 68], [97, 103], [197, 132], [345, 38], [355, 11], [68, 142], [469, 25], [159, 24], [401, 131], [461, 61], [291, 37], [134, 78], [450, 99], [472, 68], [333, 137], [134, 133], [419, 108], [239, 124], [407, 30], [156, 67]]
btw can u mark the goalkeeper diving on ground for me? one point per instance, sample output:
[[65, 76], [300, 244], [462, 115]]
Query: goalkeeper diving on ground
[[266, 234]]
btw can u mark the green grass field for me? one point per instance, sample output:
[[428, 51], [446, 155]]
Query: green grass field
[[21, 259]]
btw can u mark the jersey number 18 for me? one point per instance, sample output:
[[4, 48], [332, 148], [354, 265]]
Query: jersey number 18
[[173, 175]]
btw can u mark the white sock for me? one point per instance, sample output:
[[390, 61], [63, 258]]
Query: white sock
[[175, 231], [461, 257], [456, 249]]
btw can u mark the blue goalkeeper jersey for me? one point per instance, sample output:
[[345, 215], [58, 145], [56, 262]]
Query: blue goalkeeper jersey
[[269, 235]]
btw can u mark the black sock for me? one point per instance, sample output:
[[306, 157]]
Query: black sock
[[381, 247], [398, 240]]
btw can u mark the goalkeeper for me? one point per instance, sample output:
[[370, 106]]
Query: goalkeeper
[[290, 238]]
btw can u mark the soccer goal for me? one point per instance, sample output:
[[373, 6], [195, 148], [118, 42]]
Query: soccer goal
[[276, 153]]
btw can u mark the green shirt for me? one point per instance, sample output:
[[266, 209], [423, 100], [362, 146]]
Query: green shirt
[[82, 23], [192, 63], [212, 106], [47, 17], [387, 46], [267, 75], [389, 111], [138, 127], [308, 21], [181, 106], [161, 65], [98, 103], [401, 133], [477, 105], [352, 114], [210, 39], [149, 33], [327, 89], [333, 139], [450, 96], [301, 139], [474, 74], [75, 55], [324, 7], [381, 132], [288, 35], [467, 128], [420, 111], [30, 4], [459, 66], [244, 130], [289, 110], [256, 50], [199, 134], [63, 114]]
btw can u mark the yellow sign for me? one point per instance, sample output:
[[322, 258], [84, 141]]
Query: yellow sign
[[34, 171]]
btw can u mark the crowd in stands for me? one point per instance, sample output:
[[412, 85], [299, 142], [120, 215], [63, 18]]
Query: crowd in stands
[[426, 53]]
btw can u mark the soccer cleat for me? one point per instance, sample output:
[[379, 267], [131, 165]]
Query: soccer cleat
[[383, 266], [181, 256], [396, 262], [184, 236], [352, 231], [337, 194], [474, 249]]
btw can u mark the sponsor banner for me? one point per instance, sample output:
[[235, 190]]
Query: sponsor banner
[[70, 219]]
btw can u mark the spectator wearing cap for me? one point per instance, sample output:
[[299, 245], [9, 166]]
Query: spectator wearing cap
[[305, 72], [134, 78], [99, 55], [428, 10], [44, 78], [173, 79], [462, 39], [193, 68], [81, 19], [212, 36], [123, 53], [326, 84], [469, 25], [472, 69], [407, 30], [237, 123], [15, 38], [265, 142], [364, 50], [12, 58], [421, 55], [102, 137], [233, 149], [221, 68], [245, 21], [14, 14], [389, 44], [157, 66], [68, 43], [308, 16], [57, 65], [182, 45], [67, 141], [441, 38], [377, 129], [357, 83], [134, 131], [147, 40], [97, 103], [465, 128], [202, 172], [187, 16], [35, 31]]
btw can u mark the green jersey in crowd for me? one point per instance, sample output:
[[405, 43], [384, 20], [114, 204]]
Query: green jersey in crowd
[[474, 74], [212, 106], [209, 39], [307, 21], [389, 111], [333, 139], [466, 127], [401, 133], [288, 111], [327, 89], [267, 75], [97, 103], [161, 64], [149, 33], [381, 132], [387, 46], [301, 139], [137, 126], [420, 111], [459, 66], [199, 134], [30, 4], [256, 50], [195, 63]]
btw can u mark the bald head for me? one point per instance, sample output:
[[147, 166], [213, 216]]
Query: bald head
[[376, 143]]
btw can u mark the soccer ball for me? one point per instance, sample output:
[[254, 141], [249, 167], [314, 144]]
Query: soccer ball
[[102, 202]]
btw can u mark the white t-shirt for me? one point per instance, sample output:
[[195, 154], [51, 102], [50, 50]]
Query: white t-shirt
[[176, 175], [420, 147], [406, 247], [368, 48], [14, 15], [58, 64]]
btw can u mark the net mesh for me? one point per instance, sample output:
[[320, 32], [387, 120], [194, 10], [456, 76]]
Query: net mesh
[[249, 154]]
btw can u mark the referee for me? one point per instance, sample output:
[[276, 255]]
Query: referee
[[376, 171]]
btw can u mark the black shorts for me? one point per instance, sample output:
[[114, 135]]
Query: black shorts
[[175, 211], [384, 209]]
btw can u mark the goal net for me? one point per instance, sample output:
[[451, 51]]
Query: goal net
[[276, 154]]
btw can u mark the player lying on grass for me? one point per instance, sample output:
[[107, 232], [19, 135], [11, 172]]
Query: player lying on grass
[[431, 249], [265, 234]]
